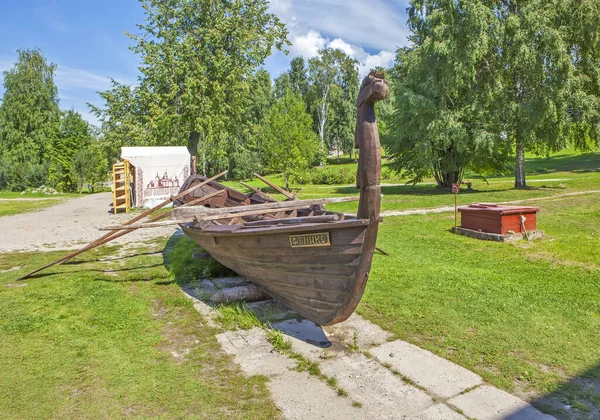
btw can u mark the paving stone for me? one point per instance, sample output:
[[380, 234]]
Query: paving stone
[[298, 395], [382, 394], [367, 334], [253, 352], [489, 403], [306, 337], [438, 376], [439, 412], [303, 397]]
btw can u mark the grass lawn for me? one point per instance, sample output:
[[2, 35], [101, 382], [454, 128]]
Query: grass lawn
[[526, 317], [563, 173], [12, 206], [112, 336]]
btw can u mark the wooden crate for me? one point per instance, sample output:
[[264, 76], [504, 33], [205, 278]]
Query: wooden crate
[[493, 218]]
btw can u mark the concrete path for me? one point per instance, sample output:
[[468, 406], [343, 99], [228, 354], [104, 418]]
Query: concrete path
[[380, 378], [68, 225]]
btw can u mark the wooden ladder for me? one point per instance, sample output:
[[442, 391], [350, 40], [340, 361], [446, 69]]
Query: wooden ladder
[[121, 175]]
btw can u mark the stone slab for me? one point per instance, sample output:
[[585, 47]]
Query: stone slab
[[303, 397], [382, 394], [298, 395], [489, 403], [439, 412], [367, 334], [253, 352], [438, 376]]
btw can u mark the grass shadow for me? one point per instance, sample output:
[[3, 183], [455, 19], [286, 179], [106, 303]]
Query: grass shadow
[[575, 399], [583, 163]]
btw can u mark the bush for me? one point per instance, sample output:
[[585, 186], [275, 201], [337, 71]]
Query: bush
[[326, 176], [185, 268], [17, 177]]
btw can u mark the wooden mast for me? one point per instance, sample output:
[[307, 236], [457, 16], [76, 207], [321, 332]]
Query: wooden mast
[[374, 88]]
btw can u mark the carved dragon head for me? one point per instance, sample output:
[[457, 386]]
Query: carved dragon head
[[374, 88]]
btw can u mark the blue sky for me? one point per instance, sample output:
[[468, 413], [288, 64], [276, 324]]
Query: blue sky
[[85, 38]]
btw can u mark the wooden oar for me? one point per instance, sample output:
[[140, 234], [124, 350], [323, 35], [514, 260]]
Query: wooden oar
[[277, 187], [114, 234], [256, 190]]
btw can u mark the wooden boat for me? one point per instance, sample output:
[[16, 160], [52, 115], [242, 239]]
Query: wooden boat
[[230, 197], [314, 261]]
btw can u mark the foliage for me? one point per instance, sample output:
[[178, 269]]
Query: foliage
[[548, 67], [331, 66], [484, 79], [245, 148], [18, 176], [290, 144], [440, 87], [196, 56], [185, 268], [327, 175], [29, 113], [90, 166], [74, 137]]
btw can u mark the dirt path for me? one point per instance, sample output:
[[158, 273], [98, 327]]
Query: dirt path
[[68, 225]]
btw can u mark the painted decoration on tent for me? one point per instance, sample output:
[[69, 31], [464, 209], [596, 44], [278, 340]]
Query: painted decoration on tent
[[159, 172]]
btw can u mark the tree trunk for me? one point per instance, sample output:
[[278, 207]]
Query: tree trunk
[[193, 141], [287, 182], [446, 179], [520, 167]]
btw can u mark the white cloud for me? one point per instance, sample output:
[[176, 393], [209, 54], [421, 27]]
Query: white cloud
[[340, 44], [307, 45], [352, 26], [384, 59], [376, 24]]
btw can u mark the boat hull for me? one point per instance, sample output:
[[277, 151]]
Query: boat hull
[[322, 282]]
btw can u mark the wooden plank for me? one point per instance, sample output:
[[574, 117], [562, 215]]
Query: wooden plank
[[276, 187], [202, 212], [257, 191], [294, 220]]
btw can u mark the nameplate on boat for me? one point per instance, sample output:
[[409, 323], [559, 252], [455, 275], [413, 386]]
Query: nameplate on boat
[[310, 239]]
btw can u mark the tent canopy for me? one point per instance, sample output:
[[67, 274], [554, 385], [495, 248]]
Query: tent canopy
[[159, 172]]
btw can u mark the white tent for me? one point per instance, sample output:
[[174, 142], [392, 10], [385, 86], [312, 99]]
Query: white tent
[[158, 172]]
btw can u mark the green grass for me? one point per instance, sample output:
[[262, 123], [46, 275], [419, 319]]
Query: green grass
[[9, 207], [563, 173], [112, 336], [526, 317]]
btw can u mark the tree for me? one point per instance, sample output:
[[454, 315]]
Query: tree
[[440, 85], [73, 137], [485, 79], [544, 56], [290, 143], [125, 120], [90, 166], [245, 149], [195, 58], [29, 113], [298, 77], [331, 66]]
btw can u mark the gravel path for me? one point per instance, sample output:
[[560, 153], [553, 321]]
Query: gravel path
[[68, 225]]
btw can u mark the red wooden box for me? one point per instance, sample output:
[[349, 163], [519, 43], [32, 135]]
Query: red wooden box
[[493, 218]]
